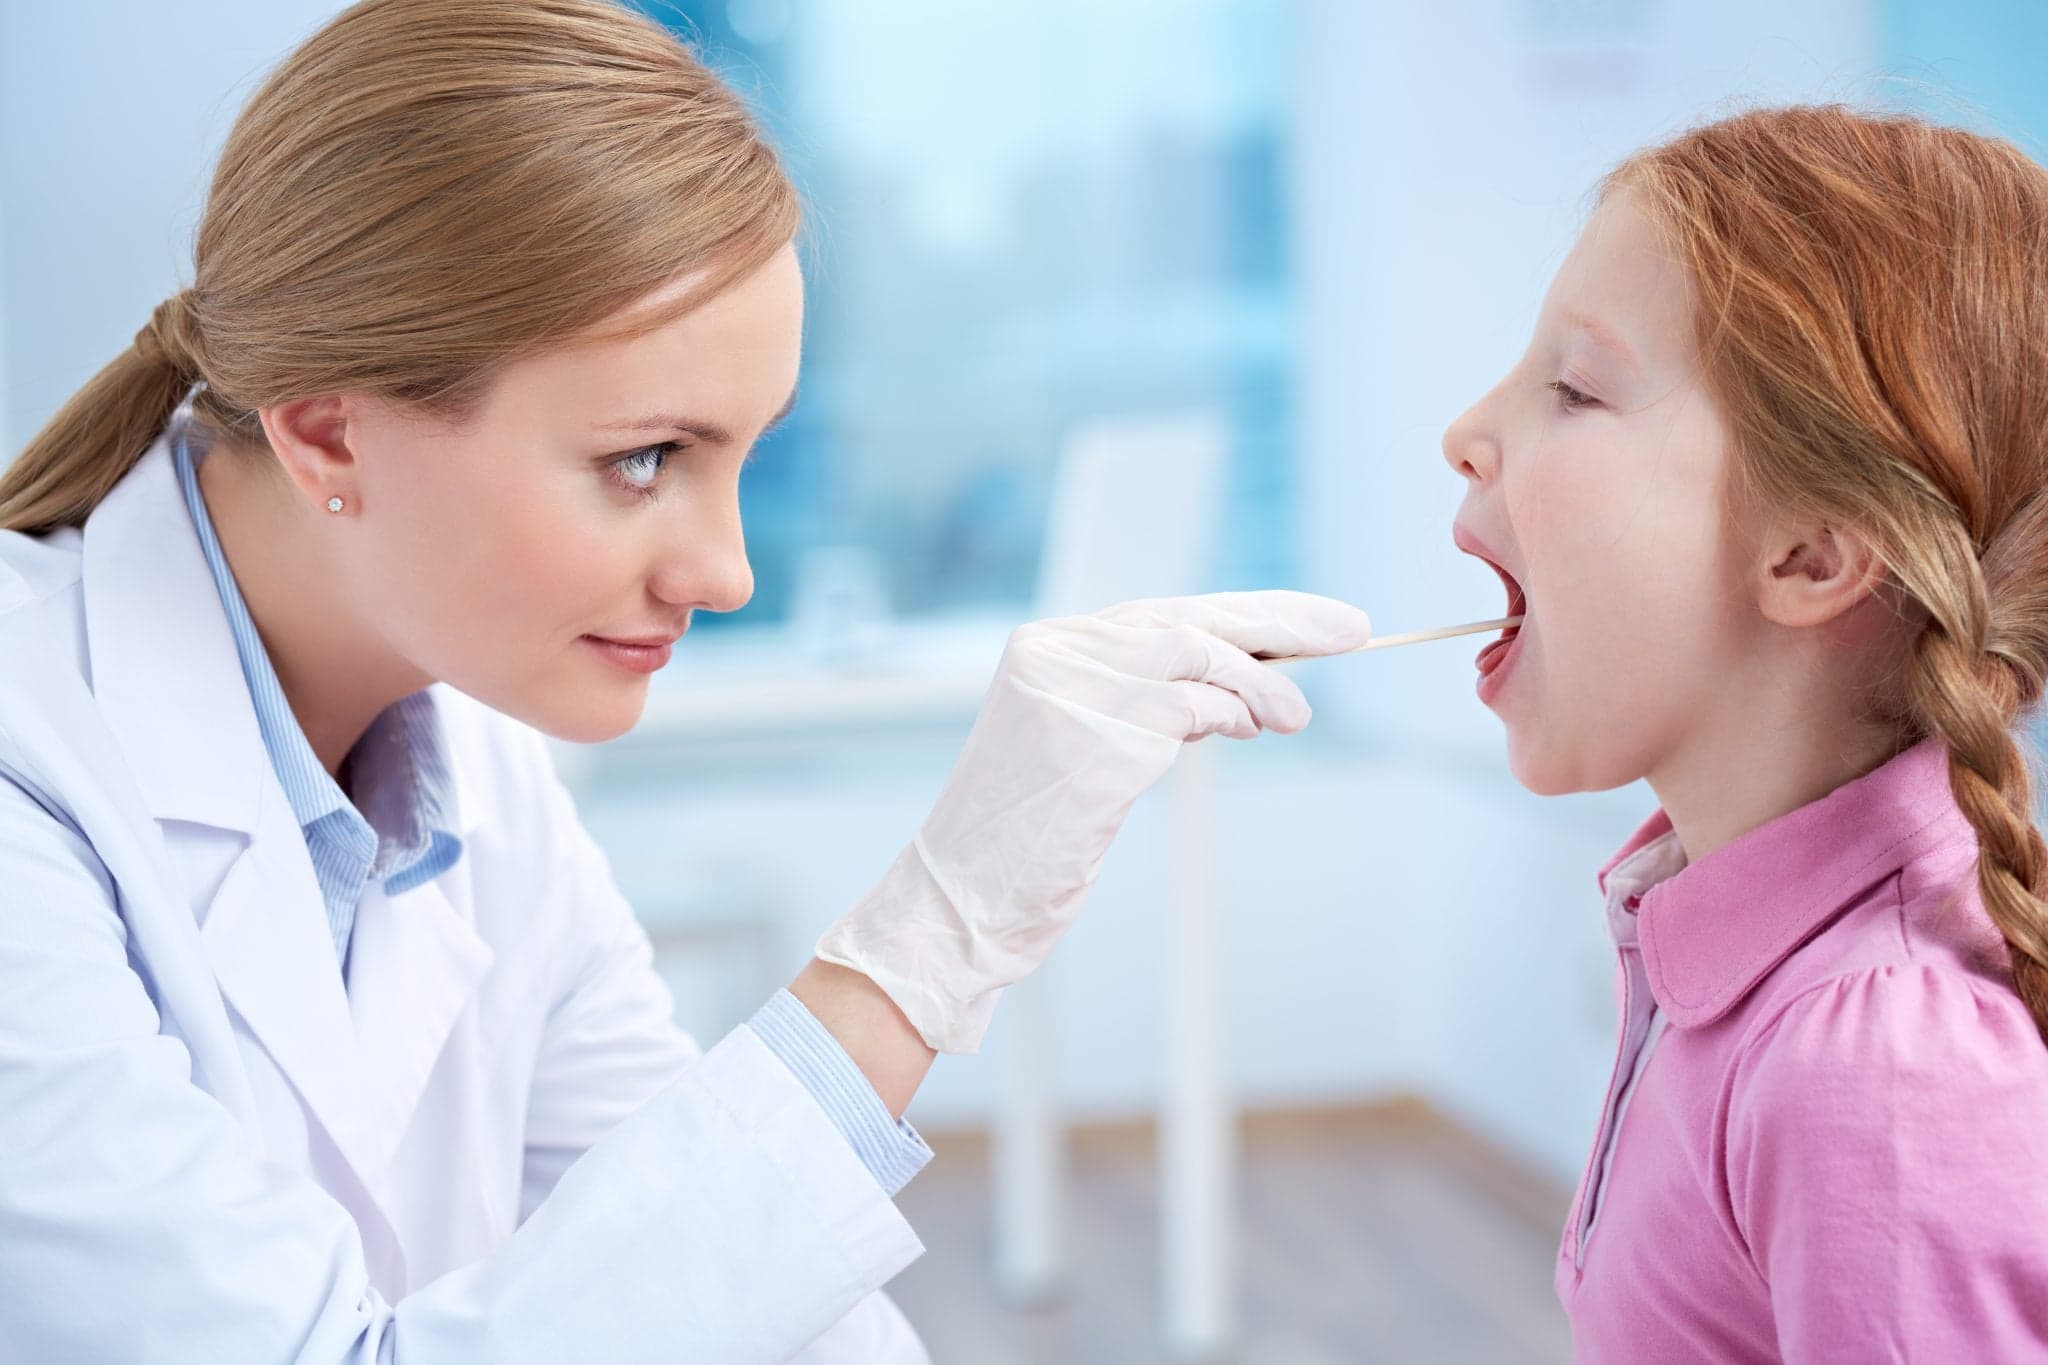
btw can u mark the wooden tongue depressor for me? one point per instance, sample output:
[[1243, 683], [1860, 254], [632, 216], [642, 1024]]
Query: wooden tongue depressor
[[1413, 637]]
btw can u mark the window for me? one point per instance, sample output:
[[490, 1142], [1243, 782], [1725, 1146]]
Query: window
[[1022, 218]]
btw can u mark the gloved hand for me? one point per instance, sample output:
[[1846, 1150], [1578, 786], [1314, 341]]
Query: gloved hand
[[1085, 713]]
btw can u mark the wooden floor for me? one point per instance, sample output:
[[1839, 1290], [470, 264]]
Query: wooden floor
[[1368, 1234]]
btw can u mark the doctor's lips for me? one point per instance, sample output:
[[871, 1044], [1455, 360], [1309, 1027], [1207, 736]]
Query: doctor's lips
[[1496, 652], [636, 653]]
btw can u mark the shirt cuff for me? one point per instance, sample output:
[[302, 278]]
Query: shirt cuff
[[890, 1148]]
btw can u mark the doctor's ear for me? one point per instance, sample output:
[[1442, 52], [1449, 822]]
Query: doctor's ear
[[1811, 573], [310, 439]]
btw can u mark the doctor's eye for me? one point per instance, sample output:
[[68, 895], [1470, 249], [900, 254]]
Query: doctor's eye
[[1569, 398], [638, 473]]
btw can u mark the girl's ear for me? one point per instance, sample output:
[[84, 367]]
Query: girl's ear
[[1811, 573]]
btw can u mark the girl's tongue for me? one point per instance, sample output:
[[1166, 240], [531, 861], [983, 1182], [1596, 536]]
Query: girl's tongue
[[1496, 650]]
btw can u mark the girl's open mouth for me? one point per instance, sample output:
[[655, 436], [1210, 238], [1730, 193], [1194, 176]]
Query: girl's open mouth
[[1493, 661], [1497, 650]]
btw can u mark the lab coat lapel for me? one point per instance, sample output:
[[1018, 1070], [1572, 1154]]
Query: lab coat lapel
[[170, 685], [266, 935], [415, 963]]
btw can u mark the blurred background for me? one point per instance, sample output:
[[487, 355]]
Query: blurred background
[[1107, 295]]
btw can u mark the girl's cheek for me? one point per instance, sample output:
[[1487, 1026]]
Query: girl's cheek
[[1548, 489]]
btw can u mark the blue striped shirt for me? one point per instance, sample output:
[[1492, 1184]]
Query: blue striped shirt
[[889, 1147], [400, 836]]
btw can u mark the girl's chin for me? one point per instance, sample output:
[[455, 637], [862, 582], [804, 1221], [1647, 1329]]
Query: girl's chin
[[1527, 768], [1541, 783], [1539, 765], [1566, 764]]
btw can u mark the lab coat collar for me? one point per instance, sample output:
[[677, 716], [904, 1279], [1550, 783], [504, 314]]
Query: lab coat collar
[[163, 657], [169, 684], [1713, 929]]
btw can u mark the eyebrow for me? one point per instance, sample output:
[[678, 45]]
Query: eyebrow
[[1603, 336], [712, 433]]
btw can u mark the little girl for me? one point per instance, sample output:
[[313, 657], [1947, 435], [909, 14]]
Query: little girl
[[1771, 486]]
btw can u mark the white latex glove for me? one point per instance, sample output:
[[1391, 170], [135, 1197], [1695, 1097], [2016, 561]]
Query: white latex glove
[[1085, 713]]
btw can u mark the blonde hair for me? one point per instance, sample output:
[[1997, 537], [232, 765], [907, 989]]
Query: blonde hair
[[1873, 312], [423, 191]]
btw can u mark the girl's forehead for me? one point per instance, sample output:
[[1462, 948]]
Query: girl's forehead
[[1622, 291]]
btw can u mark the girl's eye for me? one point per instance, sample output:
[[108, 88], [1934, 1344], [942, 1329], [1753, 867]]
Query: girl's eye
[[1569, 398], [638, 472]]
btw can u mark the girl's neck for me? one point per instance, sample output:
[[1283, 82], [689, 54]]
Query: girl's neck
[[1724, 784]]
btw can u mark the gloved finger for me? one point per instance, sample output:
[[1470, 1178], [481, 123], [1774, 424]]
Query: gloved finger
[[1274, 623], [1269, 697], [1189, 654], [1199, 710]]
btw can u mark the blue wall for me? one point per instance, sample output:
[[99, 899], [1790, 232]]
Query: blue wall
[[1979, 62]]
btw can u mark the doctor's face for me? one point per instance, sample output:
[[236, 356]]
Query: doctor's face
[[542, 554]]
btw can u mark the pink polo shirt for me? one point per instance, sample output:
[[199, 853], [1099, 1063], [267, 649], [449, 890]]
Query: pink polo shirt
[[1836, 1145]]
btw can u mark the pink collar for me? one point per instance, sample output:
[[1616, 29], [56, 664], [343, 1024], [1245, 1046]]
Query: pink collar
[[1717, 927]]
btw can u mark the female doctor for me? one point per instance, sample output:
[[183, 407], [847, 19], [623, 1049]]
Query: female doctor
[[325, 1034]]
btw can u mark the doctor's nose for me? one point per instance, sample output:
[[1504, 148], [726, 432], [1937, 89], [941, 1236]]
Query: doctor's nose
[[1469, 446], [707, 567]]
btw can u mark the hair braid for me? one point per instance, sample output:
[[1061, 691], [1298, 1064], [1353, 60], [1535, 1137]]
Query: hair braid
[[1968, 687]]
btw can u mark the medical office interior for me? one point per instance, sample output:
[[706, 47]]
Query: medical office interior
[[1115, 298]]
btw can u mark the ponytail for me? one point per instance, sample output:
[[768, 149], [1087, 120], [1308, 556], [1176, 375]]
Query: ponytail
[[98, 436]]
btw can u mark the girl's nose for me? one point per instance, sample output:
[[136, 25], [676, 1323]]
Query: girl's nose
[[1469, 447]]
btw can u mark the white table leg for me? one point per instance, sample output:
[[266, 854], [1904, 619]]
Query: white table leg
[[1198, 1129], [1028, 1156]]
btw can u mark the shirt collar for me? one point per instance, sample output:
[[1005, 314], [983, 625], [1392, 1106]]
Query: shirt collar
[[1711, 930], [401, 764], [1651, 856], [402, 781]]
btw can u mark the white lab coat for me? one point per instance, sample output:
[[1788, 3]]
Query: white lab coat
[[492, 1145]]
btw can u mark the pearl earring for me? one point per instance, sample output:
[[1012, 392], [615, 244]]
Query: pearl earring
[[334, 504]]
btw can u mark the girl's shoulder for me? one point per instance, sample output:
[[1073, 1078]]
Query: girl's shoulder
[[1917, 941], [1904, 1002], [1882, 1147], [1903, 1005], [1946, 1030]]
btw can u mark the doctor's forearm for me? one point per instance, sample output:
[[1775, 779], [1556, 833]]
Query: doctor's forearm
[[867, 1024]]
